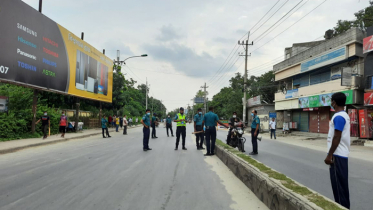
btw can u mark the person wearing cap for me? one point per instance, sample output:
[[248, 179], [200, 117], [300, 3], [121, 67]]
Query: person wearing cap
[[154, 121], [180, 120], [209, 120], [198, 119], [145, 121], [45, 124], [169, 125]]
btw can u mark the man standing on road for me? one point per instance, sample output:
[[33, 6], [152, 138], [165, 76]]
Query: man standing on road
[[232, 122], [255, 132], [125, 123], [130, 122], [104, 127], [339, 149], [198, 119], [154, 121], [137, 120], [169, 125], [121, 122], [272, 126], [45, 124], [63, 123], [209, 120], [117, 124], [145, 121], [180, 120]]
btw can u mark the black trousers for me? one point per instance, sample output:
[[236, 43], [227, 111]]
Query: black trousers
[[125, 129], [210, 139], [180, 130], [45, 130], [229, 137], [254, 140], [168, 126], [153, 131], [339, 179], [199, 136], [107, 132], [145, 140]]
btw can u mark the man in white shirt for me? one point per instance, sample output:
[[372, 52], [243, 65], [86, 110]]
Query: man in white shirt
[[125, 123], [339, 149], [272, 127]]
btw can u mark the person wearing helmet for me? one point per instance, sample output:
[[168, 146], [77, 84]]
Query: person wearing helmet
[[234, 120], [180, 120]]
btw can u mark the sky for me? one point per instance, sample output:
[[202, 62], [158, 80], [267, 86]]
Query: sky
[[192, 42]]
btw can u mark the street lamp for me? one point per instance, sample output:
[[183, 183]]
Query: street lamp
[[123, 62]]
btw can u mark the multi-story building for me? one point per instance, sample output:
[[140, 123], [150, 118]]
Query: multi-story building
[[312, 72]]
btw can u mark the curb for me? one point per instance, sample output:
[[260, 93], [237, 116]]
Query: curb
[[269, 190], [15, 149]]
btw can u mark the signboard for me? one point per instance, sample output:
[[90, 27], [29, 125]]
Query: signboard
[[324, 59], [323, 100], [37, 52], [368, 99], [363, 123], [367, 44], [354, 123], [346, 76], [254, 101], [199, 100], [291, 93]]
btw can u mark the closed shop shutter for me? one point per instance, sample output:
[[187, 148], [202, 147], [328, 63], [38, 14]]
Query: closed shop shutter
[[304, 120], [324, 119], [314, 121], [280, 119], [296, 118]]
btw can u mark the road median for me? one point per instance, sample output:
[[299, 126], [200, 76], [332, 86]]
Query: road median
[[274, 189]]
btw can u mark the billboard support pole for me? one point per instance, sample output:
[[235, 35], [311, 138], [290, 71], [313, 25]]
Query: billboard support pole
[[77, 102], [34, 105], [40, 5]]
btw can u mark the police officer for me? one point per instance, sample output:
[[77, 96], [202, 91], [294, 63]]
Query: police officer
[[154, 121], [255, 132], [145, 121], [198, 119], [232, 121], [209, 120], [180, 120], [169, 125]]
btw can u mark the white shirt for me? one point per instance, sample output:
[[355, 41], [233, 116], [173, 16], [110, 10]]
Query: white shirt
[[272, 124], [343, 149], [124, 121]]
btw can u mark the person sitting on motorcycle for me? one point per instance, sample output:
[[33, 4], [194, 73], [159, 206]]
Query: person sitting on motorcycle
[[232, 122]]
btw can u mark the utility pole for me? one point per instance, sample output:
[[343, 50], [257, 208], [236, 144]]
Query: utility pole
[[204, 89], [146, 94], [246, 46]]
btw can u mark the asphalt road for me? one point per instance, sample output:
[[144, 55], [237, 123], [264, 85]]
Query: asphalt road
[[114, 173], [307, 167]]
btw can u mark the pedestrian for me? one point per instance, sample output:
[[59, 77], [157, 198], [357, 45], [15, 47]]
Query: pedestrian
[[154, 121], [339, 149], [145, 121], [104, 127], [130, 121], [121, 122], [254, 132], [198, 119], [137, 120], [232, 123], [63, 124], [45, 124], [125, 123], [110, 120], [169, 125], [117, 124], [209, 120], [272, 126], [180, 120], [114, 121]]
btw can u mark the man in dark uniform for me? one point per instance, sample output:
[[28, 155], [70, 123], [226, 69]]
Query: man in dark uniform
[[198, 119], [180, 120], [169, 125], [255, 132], [145, 121], [154, 121], [209, 120], [45, 124], [232, 121]]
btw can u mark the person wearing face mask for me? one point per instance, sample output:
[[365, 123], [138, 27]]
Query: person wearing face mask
[[145, 121], [169, 125], [45, 124], [63, 123], [181, 120], [198, 119], [255, 132], [232, 121], [104, 125]]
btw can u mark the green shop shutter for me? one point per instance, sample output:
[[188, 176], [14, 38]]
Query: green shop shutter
[[296, 118], [304, 121]]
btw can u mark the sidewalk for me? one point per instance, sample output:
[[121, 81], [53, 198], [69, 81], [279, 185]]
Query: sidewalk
[[15, 145]]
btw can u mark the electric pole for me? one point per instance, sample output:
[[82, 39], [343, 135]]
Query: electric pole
[[246, 46], [204, 100]]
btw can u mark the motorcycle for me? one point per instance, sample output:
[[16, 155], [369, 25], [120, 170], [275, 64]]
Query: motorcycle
[[237, 139]]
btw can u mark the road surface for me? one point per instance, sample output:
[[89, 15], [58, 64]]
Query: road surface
[[114, 173]]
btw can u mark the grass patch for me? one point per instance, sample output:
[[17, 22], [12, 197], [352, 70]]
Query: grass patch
[[286, 181]]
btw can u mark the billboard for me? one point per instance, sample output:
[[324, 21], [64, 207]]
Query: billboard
[[291, 93], [199, 100], [322, 100], [37, 52], [367, 44], [253, 101], [324, 59]]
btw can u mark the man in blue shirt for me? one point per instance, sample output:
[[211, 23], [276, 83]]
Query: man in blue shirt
[[145, 121], [104, 127], [254, 132], [154, 122], [198, 119], [209, 120], [169, 125]]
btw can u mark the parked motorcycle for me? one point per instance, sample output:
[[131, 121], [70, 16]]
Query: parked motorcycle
[[237, 139]]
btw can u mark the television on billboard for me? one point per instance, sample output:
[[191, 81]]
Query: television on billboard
[[39, 53]]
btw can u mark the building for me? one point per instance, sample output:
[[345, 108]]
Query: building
[[263, 110], [312, 72]]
